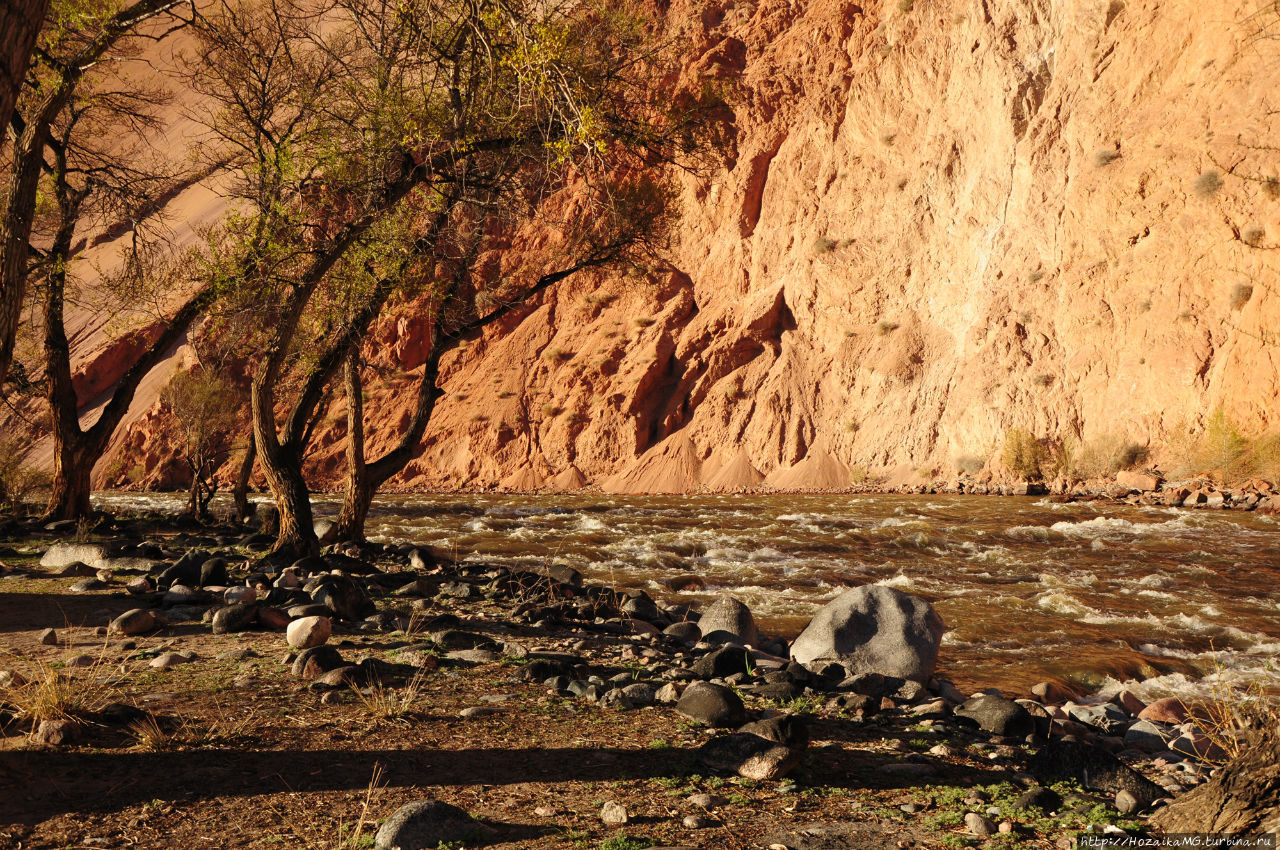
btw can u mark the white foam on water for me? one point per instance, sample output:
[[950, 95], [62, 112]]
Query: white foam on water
[[590, 523], [1056, 602], [902, 581]]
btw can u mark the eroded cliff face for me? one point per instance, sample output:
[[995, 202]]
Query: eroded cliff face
[[932, 223]]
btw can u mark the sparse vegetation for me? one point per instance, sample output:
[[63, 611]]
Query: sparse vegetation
[[1208, 183], [1240, 295], [970, 464], [1252, 235], [19, 480], [1104, 456], [1104, 157], [886, 327], [906, 5], [824, 245], [557, 355]]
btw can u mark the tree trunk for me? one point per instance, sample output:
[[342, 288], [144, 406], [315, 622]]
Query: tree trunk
[[1243, 797], [240, 493], [73, 463], [20, 22], [282, 464], [359, 495]]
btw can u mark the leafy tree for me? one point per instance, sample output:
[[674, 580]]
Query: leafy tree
[[207, 409], [379, 145]]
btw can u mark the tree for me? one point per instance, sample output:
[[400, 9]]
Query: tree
[[206, 408], [368, 133], [74, 40], [102, 172]]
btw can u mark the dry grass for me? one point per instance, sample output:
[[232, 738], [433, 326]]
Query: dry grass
[[1104, 456], [355, 837], [1231, 713], [1104, 157], [385, 702], [886, 327], [1024, 454], [1240, 295], [150, 735], [49, 692]]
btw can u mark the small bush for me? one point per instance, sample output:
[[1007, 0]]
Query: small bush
[[1208, 183], [1107, 455], [886, 327], [969, 464], [558, 355], [643, 321], [1271, 187], [1043, 379], [1240, 295], [824, 245], [1104, 157], [19, 480], [1252, 235], [1023, 454], [906, 5]]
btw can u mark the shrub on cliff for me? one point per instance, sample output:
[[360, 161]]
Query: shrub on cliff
[[1023, 454]]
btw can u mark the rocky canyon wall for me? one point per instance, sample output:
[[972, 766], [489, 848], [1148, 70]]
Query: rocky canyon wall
[[932, 222]]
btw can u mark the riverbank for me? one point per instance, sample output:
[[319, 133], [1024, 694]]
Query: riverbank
[[530, 701]]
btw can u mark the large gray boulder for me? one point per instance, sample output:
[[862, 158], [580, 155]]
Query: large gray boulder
[[64, 552], [873, 629], [428, 824], [728, 615]]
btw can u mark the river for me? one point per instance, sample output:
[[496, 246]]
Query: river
[[1090, 593]]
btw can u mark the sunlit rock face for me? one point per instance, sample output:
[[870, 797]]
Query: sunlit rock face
[[926, 226]]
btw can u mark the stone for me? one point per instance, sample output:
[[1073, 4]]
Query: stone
[[62, 553], [706, 801], [721, 663], [273, 618], [87, 585], [873, 629], [135, 622], [1170, 710], [1126, 803], [1065, 761], [308, 632], [426, 825], [1108, 718], [240, 595], [997, 715], [49, 637], [57, 732], [696, 822], [730, 616], [1053, 693], [316, 661], [213, 572], [714, 705], [668, 693], [750, 756], [343, 596], [165, 660], [686, 632], [1147, 736], [1040, 797], [233, 618], [75, 569], [613, 813], [1130, 702], [978, 824], [791, 730], [140, 586]]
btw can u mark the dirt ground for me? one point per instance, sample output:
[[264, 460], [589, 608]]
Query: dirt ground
[[234, 751]]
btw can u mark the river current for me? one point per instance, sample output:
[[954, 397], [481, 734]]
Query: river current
[[1093, 594]]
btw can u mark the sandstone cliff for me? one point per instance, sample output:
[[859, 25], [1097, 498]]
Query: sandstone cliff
[[933, 222]]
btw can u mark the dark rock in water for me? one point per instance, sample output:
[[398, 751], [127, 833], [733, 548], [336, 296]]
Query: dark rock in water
[[997, 715], [749, 755], [874, 629], [721, 663], [214, 572], [344, 597], [1040, 797], [316, 661], [426, 825], [727, 614], [234, 618], [686, 632], [1062, 761], [713, 705]]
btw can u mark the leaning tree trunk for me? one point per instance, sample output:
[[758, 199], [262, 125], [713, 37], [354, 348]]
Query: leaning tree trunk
[[72, 466], [1242, 797]]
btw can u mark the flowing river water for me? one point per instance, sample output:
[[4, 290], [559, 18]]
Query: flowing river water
[[1090, 593]]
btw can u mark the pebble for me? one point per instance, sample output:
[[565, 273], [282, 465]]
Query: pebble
[[613, 813], [49, 637], [697, 822], [705, 801], [1126, 803]]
